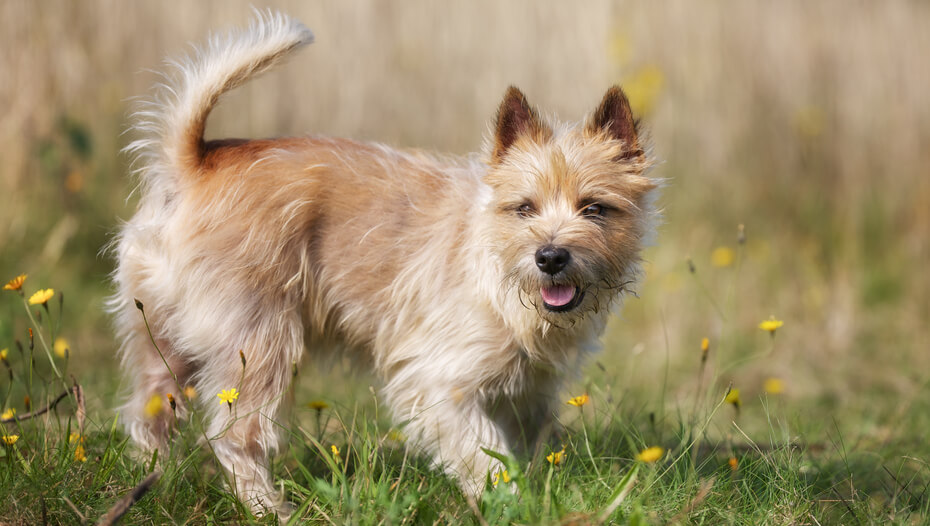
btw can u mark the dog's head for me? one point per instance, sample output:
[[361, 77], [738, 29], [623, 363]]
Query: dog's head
[[570, 206]]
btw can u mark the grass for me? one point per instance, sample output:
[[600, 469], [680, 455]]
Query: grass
[[726, 457], [805, 122]]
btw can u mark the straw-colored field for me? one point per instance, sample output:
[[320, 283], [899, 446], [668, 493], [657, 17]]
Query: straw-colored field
[[805, 122]]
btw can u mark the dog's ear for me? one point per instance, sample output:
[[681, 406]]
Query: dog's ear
[[516, 118], [615, 117]]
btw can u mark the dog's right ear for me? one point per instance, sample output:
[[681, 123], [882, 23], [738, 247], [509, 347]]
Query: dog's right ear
[[516, 118]]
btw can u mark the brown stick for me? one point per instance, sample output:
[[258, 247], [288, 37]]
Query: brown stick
[[33, 414], [122, 506], [81, 411]]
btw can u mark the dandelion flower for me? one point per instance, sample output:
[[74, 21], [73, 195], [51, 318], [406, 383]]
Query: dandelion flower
[[722, 257], [705, 345], [579, 401], [4, 353], [501, 476], [190, 393], [650, 454], [643, 88], [15, 283], [41, 297], [396, 436], [335, 451], [734, 464], [154, 406], [771, 325], [61, 347], [228, 396], [319, 405], [556, 457], [733, 398], [774, 386], [8, 414], [810, 121], [10, 439], [80, 455]]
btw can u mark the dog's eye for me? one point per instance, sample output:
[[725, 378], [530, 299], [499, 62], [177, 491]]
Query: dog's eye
[[525, 210], [593, 210]]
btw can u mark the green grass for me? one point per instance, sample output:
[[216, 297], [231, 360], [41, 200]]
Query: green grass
[[822, 164], [770, 461]]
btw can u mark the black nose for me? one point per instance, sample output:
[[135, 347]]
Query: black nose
[[551, 260]]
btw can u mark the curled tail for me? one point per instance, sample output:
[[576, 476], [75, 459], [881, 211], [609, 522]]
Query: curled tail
[[172, 122]]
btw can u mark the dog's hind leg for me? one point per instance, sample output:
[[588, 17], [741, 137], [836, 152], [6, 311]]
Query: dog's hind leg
[[244, 432], [146, 414]]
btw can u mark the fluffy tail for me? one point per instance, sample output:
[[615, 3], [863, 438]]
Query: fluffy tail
[[172, 122]]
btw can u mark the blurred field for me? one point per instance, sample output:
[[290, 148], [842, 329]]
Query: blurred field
[[807, 122]]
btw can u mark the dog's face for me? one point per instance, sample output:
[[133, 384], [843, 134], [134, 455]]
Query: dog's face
[[570, 207]]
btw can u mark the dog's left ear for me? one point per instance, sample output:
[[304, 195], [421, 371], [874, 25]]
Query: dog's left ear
[[616, 118]]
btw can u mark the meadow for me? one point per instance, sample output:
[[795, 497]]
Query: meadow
[[792, 145]]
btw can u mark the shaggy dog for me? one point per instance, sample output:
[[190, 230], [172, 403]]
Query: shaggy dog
[[473, 285]]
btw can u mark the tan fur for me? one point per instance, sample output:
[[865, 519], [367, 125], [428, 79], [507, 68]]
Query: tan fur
[[424, 264]]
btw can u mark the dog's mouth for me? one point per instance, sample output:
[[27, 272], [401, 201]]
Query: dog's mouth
[[561, 298]]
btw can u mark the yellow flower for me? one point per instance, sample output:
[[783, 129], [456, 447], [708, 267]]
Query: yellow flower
[[579, 401], [774, 386], [75, 437], [228, 395], [9, 413], [809, 121], [734, 464], [10, 439], [556, 457], [722, 257], [733, 398], [74, 182], [15, 283], [705, 345], [79, 454], [154, 406], [61, 347], [190, 393], [771, 325], [41, 297], [650, 454], [620, 48], [335, 451], [501, 476], [319, 405], [396, 436], [4, 353], [642, 89]]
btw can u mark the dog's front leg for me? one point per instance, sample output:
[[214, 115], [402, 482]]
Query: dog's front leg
[[452, 427]]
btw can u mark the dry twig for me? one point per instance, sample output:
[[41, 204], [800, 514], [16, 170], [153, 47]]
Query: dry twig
[[122, 506]]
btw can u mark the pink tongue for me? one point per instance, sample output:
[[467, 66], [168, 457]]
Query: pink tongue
[[558, 295]]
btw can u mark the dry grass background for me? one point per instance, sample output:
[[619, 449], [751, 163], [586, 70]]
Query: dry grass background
[[806, 121]]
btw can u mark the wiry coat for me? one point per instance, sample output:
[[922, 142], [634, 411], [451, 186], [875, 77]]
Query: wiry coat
[[423, 263]]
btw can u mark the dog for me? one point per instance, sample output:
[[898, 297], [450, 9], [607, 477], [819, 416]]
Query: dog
[[474, 286]]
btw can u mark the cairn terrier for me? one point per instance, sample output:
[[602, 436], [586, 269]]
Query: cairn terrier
[[472, 285]]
